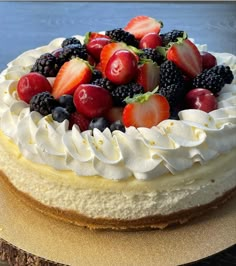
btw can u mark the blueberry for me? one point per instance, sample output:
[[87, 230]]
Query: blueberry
[[117, 125], [66, 101], [59, 114], [99, 122]]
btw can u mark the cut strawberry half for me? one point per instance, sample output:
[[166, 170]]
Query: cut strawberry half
[[186, 56], [70, 76], [109, 49], [148, 75], [141, 25], [146, 110]]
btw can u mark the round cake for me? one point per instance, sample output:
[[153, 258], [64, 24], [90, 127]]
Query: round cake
[[124, 129]]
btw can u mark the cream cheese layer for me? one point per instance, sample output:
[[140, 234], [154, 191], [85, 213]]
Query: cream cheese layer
[[168, 148]]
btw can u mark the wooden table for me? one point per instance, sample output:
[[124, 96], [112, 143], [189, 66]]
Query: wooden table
[[26, 25]]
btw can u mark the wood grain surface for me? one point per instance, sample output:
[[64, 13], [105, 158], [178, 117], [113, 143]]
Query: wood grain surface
[[26, 25]]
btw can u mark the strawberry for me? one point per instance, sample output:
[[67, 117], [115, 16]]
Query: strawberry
[[80, 120], [109, 49], [146, 110], [141, 25], [92, 100], [70, 76], [186, 56], [148, 75]]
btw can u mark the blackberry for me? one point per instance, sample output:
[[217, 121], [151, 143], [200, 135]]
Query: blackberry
[[126, 90], [172, 36], [209, 80], [96, 74], [224, 71], [71, 40], [47, 65], [153, 54], [72, 51], [121, 35], [170, 74], [105, 83], [43, 103]]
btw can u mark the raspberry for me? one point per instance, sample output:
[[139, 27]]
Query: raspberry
[[128, 90], [43, 103], [71, 40], [121, 35], [105, 83], [171, 36], [47, 65], [153, 54]]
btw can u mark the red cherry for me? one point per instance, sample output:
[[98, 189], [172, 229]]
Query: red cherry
[[150, 40], [121, 67], [201, 99], [208, 60], [94, 47], [32, 84], [92, 100]]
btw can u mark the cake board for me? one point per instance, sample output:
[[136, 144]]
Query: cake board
[[31, 231]]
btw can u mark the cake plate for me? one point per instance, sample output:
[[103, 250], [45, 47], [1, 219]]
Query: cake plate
[[43, 239]]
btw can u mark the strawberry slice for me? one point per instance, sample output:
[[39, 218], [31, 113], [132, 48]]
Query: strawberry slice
[[148, 75], [70, 76], [141, 25], [186, 56], [146, 110], [109, 49]]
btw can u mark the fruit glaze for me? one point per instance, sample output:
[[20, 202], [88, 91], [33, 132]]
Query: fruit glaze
[[169, 145]]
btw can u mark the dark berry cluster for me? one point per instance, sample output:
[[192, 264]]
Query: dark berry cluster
[[121, 35], [153, 54], [172, 36]]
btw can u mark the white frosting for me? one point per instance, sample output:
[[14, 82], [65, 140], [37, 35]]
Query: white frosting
[[172, 146]]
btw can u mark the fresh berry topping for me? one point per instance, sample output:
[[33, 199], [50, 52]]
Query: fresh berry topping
[[150, 40], [43, 103], [208, 60], [92, 35], [121, 67], [100, 123], [201, 99], [69, 41], [153, 54], [146, 110], [71, 75], [47, 65], [170, 74], [108, 50], [60, 114], [148, 75], [117, 125], [105, 83], [92, 100], [127, 90], [80, 120], [31, 84], [224, 71], [186, 56], [114, 114], [120, 35], [96, 74], [72, 51], [210, 80], [66, 101], [172, 36], [141, 25], [94, 47]]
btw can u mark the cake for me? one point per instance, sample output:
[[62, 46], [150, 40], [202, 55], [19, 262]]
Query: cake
[[119, 175]]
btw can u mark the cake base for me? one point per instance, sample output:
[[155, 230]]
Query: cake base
[[65, 243]]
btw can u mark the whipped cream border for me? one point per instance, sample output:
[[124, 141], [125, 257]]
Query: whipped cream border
[[170, 147]]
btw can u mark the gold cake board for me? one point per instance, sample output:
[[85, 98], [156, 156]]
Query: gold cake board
[[54, 240]]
